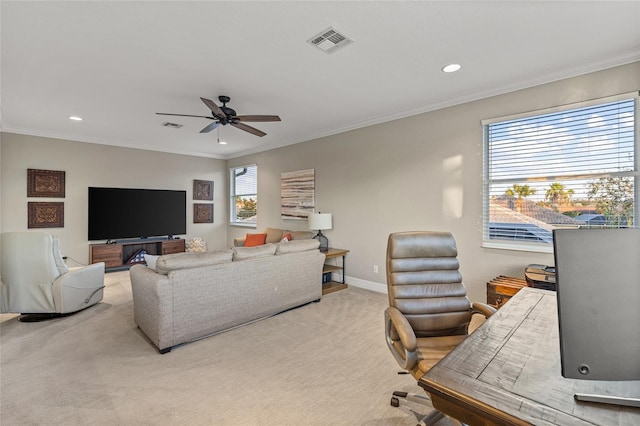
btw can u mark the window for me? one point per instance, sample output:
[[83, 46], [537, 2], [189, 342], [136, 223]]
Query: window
[[244, 195], [574, 166]]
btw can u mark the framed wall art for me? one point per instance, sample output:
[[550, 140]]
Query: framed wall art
[[297, 191], [45, 215], [202, 213], [203, 190], [45, 183]]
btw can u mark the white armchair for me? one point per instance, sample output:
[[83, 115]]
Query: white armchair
[[35, 279]]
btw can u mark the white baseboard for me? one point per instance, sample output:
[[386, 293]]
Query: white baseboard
[[367, 285]]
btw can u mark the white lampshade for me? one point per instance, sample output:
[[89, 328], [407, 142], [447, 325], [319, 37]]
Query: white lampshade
[[320, 221]]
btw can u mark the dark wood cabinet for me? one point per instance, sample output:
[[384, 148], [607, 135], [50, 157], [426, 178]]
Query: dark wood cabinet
[[501, 289], [116, 256]]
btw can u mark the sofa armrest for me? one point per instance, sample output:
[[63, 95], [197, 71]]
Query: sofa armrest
[[79, 288]]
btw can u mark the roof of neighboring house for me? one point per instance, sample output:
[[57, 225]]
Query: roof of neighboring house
[[501, 214], [532, 210], [591, 218]]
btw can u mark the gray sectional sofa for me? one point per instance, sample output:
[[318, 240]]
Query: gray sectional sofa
[[193, 295]]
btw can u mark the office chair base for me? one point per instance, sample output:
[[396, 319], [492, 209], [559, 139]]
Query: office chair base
[[430, 419]]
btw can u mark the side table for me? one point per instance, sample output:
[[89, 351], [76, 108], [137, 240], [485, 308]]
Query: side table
[[335, 254]]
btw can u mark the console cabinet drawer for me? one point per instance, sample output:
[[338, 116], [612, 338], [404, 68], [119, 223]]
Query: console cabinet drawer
[[110, 254], [175, 246]]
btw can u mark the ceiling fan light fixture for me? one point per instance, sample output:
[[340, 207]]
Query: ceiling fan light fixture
[[451, 68], [220, 142]]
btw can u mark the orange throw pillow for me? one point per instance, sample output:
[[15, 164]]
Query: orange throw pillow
[[252, 240]]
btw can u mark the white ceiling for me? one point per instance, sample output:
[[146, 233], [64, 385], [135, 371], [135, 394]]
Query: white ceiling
[[118, 63]]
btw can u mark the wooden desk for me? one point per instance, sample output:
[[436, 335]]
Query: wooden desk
[[508, 372]]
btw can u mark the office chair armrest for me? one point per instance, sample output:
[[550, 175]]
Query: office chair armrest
[[402, 329], [400, 338], [482, 309]]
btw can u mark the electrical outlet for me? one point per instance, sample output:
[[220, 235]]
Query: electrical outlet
[[375, 269]]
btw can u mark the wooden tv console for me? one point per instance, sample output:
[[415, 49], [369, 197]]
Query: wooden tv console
[[115, 256]]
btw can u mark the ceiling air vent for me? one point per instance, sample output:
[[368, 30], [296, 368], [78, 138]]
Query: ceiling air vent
[[329, 40], [172, 125]]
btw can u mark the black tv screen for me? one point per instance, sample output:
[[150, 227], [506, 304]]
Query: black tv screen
[[136, 213]]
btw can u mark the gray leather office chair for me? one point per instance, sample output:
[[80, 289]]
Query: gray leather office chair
[[37, 283], [429, 312]]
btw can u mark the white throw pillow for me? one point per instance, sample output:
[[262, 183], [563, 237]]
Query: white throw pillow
[[151, 260]]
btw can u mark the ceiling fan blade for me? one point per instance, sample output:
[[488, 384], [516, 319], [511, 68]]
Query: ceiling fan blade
[[249, 129], [215, 109], [257, 118], [185, 115], [210, 127]]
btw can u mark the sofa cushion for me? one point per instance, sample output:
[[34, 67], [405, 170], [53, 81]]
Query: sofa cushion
[[297, 245], [172, 262], [301, 235], [274, 235], [242, 253], [252, 240]]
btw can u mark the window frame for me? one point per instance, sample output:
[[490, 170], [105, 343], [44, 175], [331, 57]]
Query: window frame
[[547, 247], [233, 195]]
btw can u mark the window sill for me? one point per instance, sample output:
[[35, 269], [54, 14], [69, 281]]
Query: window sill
[[536, 248], [243, 225]]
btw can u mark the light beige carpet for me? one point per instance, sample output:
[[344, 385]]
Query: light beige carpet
[[322, 364]]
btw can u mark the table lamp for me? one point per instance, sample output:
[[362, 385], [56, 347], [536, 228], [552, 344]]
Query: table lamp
[[320, 221]]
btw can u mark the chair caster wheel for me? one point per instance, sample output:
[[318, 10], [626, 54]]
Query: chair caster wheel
[[395, 402]]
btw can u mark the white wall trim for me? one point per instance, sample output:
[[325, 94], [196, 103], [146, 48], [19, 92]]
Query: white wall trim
[[367, 285]]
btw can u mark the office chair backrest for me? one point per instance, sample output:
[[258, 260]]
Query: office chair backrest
[[424, 283]]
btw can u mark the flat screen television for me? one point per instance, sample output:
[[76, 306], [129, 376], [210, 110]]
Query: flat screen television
[[136, 213]]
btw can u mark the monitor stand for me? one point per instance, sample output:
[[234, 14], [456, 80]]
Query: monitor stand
[[608, 399]]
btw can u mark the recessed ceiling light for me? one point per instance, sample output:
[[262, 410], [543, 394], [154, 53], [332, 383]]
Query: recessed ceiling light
[[75, 118], [451, 68]]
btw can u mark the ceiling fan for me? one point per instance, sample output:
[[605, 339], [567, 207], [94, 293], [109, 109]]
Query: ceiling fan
[[225, 115]]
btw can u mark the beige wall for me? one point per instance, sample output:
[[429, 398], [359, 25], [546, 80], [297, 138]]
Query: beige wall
[[87, 164], [417, 173]]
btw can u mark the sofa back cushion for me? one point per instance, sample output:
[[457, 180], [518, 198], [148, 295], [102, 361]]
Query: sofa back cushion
[[297, 245], [172, 262], [242, 253], [300, 235], [274, 235]]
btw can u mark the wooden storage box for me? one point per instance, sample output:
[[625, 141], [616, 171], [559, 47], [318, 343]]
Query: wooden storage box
[[501, 289]]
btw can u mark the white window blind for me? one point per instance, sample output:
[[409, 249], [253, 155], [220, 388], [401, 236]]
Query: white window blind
[[244, 195], [574, 166]]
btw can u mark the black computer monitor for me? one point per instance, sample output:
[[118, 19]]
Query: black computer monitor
[[598, 288]]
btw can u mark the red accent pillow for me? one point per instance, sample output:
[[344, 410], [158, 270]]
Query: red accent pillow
[[287, 236], [252, 240]]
